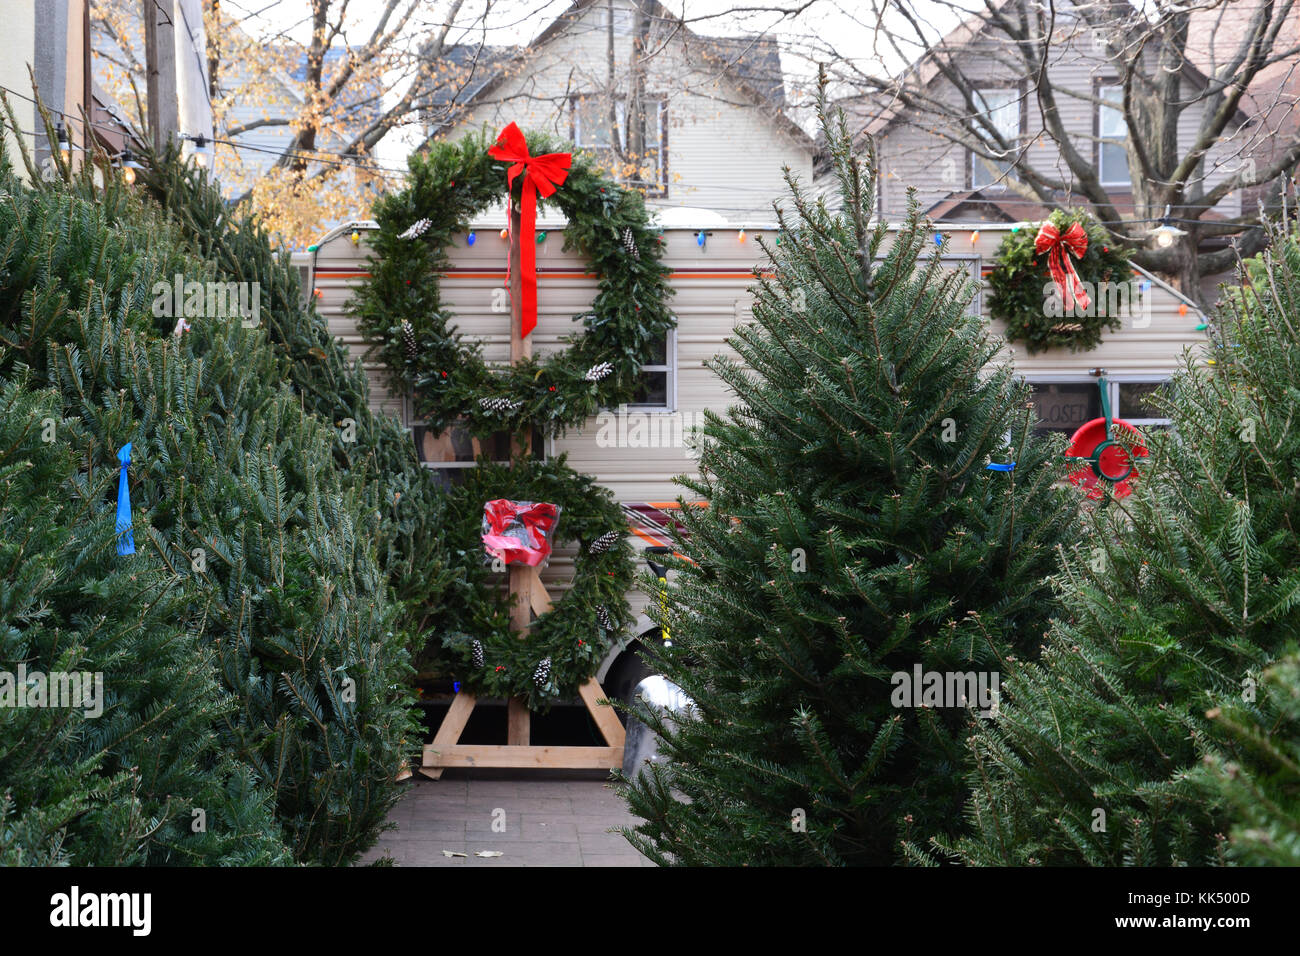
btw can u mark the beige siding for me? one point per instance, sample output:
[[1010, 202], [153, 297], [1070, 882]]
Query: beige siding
[[712, 295]]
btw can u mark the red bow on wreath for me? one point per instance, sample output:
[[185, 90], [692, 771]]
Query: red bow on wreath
[[1059, 248], [542, 174], [519, 531]]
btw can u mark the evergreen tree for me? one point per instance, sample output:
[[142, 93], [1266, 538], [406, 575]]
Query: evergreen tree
[[1185, 592], [239, 492], [1262, 785], [375, 451], [854, 532], [132, 770]]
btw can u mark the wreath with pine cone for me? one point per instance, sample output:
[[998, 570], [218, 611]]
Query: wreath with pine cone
[[1023, 294], [566, 645], [400, 309]]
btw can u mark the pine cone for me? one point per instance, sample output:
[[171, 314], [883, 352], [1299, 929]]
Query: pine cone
[[598, 371], [416, 229], [408, 340], [602, 618], [605, 542], [543, 672], [629, 243], [477, 647], [498, 406]]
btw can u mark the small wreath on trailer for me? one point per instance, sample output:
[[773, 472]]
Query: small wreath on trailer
[[401, 312], [565, 646], [1038, 319]]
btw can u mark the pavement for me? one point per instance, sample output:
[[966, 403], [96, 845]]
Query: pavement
[[534, 818]]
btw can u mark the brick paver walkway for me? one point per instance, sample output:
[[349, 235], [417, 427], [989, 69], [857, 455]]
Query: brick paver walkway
[[550, 819]]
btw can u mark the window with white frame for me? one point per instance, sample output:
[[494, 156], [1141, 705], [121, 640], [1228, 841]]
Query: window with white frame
[[1002, 107], [622, 18], [594, 131], [1112, 134], [657, 384], [1066, 405], [1133, 402]]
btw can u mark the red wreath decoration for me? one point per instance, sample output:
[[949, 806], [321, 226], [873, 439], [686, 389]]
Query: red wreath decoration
[[1111, 463], [519, 532]]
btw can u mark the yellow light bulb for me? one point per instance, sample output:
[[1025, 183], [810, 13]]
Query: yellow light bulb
[[128, 176]]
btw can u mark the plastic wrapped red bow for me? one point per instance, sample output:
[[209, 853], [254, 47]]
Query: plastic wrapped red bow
[[519, 532], [542, 174], [1059, 248]]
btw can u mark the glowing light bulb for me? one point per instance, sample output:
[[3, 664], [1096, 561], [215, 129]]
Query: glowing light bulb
[[505, 233], [128, 176], [470, 239], [741, 235]]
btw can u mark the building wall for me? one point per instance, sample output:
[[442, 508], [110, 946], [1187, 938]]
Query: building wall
[[724, 151], [712, 294], [17, 51], [912, 154]]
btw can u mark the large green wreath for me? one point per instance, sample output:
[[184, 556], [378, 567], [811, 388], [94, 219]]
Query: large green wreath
[[401, 313], [574, 635], [1020, 275]]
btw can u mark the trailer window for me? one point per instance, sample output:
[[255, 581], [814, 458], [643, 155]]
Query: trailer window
[[1065, 406], [657, 387]]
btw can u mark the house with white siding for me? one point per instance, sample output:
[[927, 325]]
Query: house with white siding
[[954, 183], [691, 120]]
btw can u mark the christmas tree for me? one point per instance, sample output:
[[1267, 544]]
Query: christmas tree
[[1182, 596], [374, 451], [1261, 786], [878, 509], [239, 492], [111, 709]]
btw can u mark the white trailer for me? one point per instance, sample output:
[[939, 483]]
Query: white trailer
[[638, 450]]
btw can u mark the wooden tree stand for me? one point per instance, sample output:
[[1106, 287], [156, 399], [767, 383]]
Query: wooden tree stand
[[530, 597], [446, 751]]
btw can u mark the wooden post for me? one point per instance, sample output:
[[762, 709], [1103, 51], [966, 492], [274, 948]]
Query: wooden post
[[160, 70], [529, 597]]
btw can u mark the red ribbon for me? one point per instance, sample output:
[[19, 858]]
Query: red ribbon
[[519, 531], [1058, 247], [542, 174]]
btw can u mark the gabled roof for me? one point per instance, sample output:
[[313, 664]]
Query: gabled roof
[[881, 111], [972, 205], [752, 63]]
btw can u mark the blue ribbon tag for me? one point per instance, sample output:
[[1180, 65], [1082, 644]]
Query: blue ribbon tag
[[991, 466], [125, 536]]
